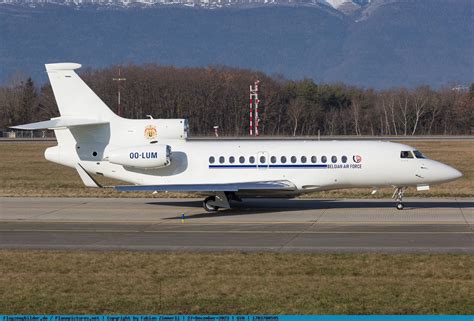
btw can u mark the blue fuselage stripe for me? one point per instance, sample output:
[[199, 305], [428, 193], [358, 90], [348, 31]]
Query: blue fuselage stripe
[[232, 166], [300, 166], [272, 166]]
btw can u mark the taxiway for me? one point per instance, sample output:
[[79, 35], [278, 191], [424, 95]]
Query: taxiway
[[300, 225]]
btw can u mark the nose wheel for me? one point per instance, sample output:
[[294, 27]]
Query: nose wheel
[[398, 196]]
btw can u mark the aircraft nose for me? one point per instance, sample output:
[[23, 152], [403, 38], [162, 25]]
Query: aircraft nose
[[450, 173]]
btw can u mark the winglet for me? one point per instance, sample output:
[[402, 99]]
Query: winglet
[[87, 179]]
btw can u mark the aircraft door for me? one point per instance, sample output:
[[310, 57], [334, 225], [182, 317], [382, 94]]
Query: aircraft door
[[262, 160]]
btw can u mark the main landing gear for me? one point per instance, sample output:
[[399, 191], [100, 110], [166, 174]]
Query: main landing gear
[[208, 204], [220, 200], [398, 196]]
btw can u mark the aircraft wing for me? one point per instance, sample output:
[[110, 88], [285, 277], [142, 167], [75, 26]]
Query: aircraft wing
[[282, 185], [231, 187]]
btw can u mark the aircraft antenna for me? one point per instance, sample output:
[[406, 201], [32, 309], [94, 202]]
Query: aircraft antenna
[[119, 79], [254, 101]]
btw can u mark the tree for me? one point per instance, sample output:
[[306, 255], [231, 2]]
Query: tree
[[421, 97], [218, 95]]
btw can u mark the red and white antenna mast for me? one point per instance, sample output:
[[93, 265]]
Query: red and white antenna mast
[[254, 101], [251, 113]]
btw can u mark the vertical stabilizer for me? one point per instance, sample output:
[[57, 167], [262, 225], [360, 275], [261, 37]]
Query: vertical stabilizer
[[73, 96]]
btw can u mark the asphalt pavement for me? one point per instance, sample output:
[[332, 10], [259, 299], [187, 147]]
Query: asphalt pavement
[[299, 225]]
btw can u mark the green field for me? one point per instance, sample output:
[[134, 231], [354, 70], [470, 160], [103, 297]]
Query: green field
[[25, 172], [43, 282]]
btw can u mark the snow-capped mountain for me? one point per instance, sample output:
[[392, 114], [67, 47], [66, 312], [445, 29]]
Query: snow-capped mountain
[[386, 43], [345, 6], [337, 3]]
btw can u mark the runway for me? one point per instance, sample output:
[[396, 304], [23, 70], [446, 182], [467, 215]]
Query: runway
[[300, 225]]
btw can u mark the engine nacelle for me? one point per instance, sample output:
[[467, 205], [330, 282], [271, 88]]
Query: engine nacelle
[[151, 156]]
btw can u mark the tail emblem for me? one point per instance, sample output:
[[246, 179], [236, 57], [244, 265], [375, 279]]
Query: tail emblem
[[150, 132]]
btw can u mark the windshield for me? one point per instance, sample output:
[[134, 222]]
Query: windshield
[[418, 154], [406, 154]]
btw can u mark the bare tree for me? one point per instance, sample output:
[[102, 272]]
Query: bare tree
[[355, 108], [295, 111], [420, 96]]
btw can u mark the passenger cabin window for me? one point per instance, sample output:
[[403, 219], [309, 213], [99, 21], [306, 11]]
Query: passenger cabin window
[[212, 160], [418, 154], [406, 154], [334, 159], [221, 159], [283, 159], [273, 159], [251, 159], [344, 159], [293, 159], [313, 159], [303, 159], [324, 159], [241, 159], [262, 159], [231, 159]]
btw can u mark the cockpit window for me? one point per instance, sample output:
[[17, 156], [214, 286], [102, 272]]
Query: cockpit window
[[418, 154], [406, 154]]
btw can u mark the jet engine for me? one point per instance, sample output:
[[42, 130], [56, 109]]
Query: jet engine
[[152, 156]]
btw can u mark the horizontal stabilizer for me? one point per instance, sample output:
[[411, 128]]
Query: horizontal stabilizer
[[60, 122], [62, 66], [231, 187]]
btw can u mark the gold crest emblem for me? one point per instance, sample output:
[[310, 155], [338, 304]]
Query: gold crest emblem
[[150, 132]]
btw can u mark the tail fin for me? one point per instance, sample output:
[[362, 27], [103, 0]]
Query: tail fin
[[73, 96]]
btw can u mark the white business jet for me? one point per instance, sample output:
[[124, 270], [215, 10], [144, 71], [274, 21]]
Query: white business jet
[[155, 155]]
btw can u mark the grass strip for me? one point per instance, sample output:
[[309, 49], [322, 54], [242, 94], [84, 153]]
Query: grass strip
[[81, 282]]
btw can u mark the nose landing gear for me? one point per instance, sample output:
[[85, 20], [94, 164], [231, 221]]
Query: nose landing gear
[[398, 196]]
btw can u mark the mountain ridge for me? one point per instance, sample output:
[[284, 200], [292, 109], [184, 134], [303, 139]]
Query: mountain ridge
[[395, 43]]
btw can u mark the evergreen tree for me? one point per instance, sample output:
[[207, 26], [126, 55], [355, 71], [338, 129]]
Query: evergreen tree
[[28, 101]]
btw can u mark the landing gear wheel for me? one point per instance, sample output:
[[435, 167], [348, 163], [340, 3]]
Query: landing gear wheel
[[398, 196], [208, 207]]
